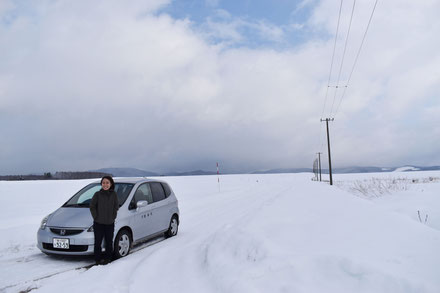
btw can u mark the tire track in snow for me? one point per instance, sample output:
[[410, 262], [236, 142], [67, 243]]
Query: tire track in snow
[[82, 267]]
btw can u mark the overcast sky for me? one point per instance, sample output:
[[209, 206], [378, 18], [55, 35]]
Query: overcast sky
[[180, 85]]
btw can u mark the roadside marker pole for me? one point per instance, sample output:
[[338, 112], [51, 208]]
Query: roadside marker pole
[[218, 178], [319, 164]]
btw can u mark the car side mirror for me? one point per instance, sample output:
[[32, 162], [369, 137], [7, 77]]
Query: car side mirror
[[141, 203]]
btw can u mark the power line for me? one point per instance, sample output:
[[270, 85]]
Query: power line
[[333, 57], [340, 71], [321, 144], [357, 57], [343, 57]]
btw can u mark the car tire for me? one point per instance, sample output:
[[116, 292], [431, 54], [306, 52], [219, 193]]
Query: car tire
[[122, 244], [173, 227]]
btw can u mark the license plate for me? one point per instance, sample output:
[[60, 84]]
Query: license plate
[[61, 243]]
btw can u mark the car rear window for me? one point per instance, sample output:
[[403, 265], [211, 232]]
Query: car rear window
[[158, 191], [167, 189]]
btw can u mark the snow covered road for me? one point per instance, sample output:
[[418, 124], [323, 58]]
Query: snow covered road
[[253, 233]]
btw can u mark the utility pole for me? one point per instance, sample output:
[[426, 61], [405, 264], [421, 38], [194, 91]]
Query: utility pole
[[328, 145], [319, 164]]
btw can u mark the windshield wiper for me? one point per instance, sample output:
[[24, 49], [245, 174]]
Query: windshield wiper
[[76, 205]]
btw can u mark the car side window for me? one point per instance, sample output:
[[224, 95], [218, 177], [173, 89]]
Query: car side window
[[158, 192], [122, 190], [142, 193]]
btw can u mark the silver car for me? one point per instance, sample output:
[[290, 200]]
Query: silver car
[[147, 208]]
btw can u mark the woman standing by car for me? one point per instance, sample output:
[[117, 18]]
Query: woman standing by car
[[104, 207]]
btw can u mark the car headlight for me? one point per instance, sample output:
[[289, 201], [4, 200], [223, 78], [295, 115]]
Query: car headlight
[[44, 223], [90, 229]]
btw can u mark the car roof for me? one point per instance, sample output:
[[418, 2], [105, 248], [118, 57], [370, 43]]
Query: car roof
[[133, 180]]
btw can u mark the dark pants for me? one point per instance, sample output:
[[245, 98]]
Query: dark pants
[[103, 231]]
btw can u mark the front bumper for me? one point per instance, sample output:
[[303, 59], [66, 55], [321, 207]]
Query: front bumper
[[79, 244]]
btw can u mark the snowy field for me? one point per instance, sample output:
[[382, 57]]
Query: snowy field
[[253, 233]]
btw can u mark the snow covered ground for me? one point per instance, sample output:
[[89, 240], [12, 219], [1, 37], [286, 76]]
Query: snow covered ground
[[253, 233]]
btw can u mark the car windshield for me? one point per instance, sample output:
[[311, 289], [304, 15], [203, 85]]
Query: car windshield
[[83, 197]]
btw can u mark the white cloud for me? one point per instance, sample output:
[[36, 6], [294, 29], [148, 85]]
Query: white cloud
[[303, 4], [116, 85], [212, 3], [229, 30]]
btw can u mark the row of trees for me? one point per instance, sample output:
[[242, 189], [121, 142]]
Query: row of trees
[[57, 175]]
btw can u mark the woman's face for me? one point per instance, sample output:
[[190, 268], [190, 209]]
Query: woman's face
[[106, 184]]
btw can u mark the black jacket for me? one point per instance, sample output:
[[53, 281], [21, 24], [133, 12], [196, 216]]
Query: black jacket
[[104, 206]]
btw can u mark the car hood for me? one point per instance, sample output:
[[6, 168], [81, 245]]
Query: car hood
[[71, 217]]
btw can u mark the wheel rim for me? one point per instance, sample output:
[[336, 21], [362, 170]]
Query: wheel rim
[[124, 244], [173, 227]]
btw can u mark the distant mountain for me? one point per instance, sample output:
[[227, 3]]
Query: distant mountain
[[280, 170], [132, 172], [190, 173], [127, 172], [430, 168], [383, 169], [355, 169], [406, 169]]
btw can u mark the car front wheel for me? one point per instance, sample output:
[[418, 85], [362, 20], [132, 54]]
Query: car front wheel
[[173, 228], [122, 244]]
